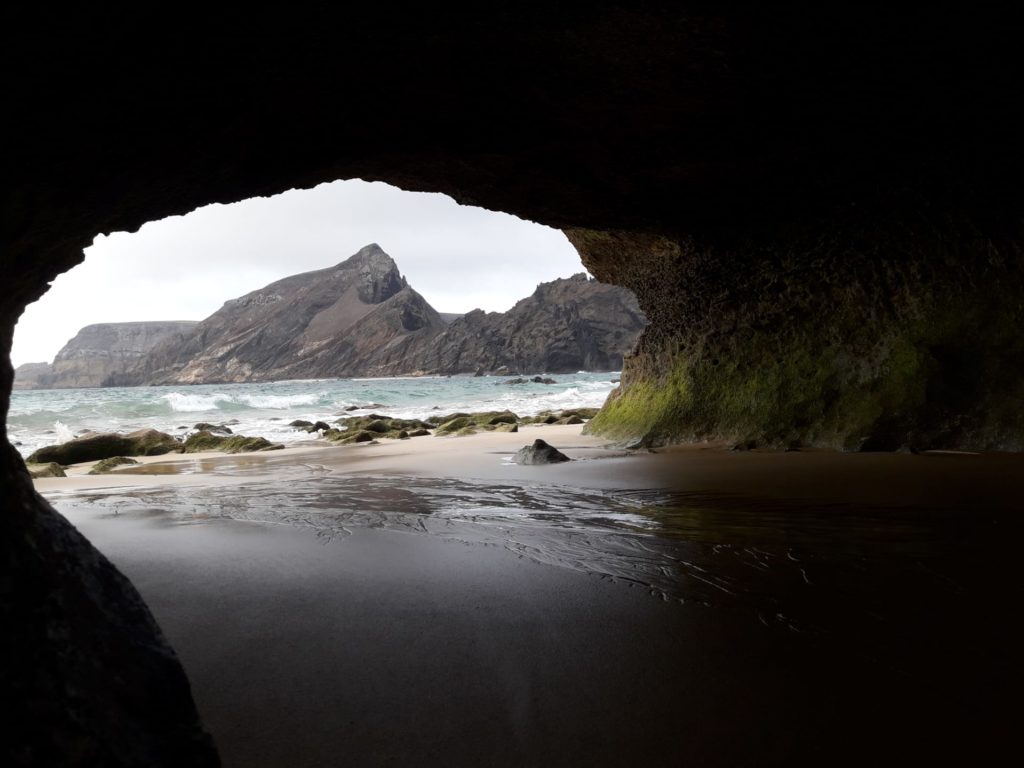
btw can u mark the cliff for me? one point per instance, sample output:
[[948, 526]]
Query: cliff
[[104, 354], [569, 324]]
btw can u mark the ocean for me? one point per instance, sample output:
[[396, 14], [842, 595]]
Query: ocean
[[44, 417]]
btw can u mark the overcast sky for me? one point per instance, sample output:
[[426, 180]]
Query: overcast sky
[[186, 267]]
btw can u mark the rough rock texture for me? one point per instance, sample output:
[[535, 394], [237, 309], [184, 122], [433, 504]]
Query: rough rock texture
[[32, 375], [101, 355], [349, 319], [361, 318], [82, 648], [50, 469], [107, 466], [207, 441], [105, 445], [909, 343], [567, 325], [539, 453], [724, 157]]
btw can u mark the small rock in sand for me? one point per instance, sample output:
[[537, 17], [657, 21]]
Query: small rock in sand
[[539, 453]]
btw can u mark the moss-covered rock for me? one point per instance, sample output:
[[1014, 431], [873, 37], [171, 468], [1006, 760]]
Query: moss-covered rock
[[103, 445], [914, 343], [108, 465], [583, 413], [419, 433], [454, 425], [217, 429], [441, 419], [353, 436], [505, 417], [205, 441], [467, 430], [506, 428], [50, 469]]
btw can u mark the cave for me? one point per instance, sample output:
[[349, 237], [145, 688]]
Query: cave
[[819, 211]]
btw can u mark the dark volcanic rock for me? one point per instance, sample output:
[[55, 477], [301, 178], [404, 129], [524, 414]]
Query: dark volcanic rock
[[539, 453], [567, 325], [86, 651], [218, 429], [359, 317], [817, 207], [104, 445]]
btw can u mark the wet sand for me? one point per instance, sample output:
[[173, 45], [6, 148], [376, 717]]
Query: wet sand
[[426, 603]]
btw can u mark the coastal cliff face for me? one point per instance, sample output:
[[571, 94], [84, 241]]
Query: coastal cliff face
[[567, 325], [100, 355], [339, 321]]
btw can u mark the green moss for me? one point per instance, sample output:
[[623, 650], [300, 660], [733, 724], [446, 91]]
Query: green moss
[[454, 425], [108, 465], [50, 469], [205, 441], [804, 395]]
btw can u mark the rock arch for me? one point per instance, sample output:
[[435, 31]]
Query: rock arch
[[819, 211]]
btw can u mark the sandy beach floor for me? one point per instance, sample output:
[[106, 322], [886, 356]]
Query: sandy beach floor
[[426, 602]]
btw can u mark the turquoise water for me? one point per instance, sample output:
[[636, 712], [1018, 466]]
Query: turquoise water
[[44, 417]]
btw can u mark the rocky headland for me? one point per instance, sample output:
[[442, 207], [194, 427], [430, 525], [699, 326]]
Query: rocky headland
[[566, 325], [358, 318], [102, 355]]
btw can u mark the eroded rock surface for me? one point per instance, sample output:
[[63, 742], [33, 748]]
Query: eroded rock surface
[[565, 326], [539, 453], [829, 194], [101, 355], [105, 445]]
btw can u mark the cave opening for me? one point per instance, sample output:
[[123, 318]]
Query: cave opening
[[820, 214]]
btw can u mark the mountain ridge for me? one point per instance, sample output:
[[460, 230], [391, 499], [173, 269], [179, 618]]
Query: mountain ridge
[[361, 317]]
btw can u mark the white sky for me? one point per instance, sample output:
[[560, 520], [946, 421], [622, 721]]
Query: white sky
[[185, 267]]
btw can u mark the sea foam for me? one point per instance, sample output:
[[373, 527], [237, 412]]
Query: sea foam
[[195, 403]]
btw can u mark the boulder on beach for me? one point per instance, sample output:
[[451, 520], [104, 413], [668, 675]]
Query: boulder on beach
[[50, 469], [217, 429], [539, 453], [107, 466], [310, 426], [103, 445], [207, 441]]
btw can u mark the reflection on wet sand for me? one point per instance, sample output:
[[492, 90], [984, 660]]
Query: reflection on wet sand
[[805, 566], [814, 618]]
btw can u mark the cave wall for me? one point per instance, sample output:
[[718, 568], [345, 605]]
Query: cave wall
[[819, 210], [908, 340]]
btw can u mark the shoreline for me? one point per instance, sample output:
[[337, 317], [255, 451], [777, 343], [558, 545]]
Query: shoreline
[[426, 602], [940, 478]]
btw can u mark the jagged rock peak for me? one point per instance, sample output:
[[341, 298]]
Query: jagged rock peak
[[379, 278]]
